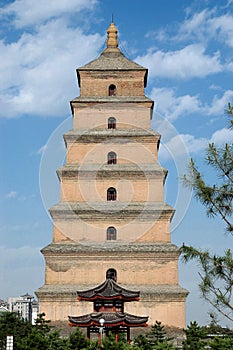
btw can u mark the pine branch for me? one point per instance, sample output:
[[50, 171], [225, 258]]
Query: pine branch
[[217, 157], [208, 195], [215, 270]]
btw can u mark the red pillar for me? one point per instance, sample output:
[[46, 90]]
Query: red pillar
[[99, 340], [88, 333], [117, 335], [128, 335]]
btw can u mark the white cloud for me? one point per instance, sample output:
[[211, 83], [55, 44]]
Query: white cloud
[[194, 145], [218, 104], [201, 27], [172, 107], [11, 194], [182, 145], [38, 71], [187, 63], [195, 25], [222, 27], [198, 27], [222, 136], [205, 25], [32, 12]]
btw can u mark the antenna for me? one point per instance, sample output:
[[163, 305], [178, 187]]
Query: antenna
[[112, 17]]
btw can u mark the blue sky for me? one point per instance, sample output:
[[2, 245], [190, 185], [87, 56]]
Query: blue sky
[[187, 47]]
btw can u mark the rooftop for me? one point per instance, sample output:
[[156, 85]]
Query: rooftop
[[112, 58], [111, 319], [109, 289]]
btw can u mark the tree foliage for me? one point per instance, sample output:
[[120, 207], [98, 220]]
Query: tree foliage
[[44, 336], [156, 338], [11, 324], [217, 197], [216, 275], [194, 337], [221, 343], [216, 272]]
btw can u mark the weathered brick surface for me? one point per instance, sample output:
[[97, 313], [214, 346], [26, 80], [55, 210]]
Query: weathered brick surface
[[97, 83], [142, 254]]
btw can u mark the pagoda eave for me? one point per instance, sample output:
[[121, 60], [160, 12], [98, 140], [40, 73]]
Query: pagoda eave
[[111, 319], [119, 210], [100, 297], [123, 135], [82, 102], [109, 170]]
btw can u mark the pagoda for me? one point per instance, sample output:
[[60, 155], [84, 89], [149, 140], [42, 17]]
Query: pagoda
[[112, 213], [108, 309]]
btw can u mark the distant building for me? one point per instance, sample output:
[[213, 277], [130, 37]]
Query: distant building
[[25, 305], [3, 306]]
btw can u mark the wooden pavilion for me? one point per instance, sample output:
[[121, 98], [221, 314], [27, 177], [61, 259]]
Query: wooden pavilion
[[108, 309]]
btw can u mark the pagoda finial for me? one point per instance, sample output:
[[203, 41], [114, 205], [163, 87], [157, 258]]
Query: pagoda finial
[[112, 41]]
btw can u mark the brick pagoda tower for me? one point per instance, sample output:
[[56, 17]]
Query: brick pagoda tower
[[112, 213]]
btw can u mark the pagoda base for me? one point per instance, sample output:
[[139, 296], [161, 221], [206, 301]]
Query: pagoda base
[[162, 303]]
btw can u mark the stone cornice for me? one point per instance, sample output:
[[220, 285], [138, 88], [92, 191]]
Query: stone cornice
[[119, 136], [118, 210], [112, 99], [109, 247], [98, 171], [166, 293], [118, 101]]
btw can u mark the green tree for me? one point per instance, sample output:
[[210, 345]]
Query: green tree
[[109, 342], [28, 336], [142, 342], [42, 325], [194, 337], [225, 343], [216, 271], [33, 340], [77, 340], [156, 338], [157, 333], [12, 324]]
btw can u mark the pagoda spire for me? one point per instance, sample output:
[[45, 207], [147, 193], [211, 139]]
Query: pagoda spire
[[112, 41]]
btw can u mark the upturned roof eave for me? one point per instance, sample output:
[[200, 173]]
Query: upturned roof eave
[[108, 289], [102, 297], [111, 320]]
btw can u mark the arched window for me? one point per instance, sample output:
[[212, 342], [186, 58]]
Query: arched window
[[112, 158], [112, 90], [111, 273], [111, 194], [111, 233], [111, 123]]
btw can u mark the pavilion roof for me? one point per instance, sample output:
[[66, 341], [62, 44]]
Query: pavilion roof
[[111, 319], [108, 290]]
